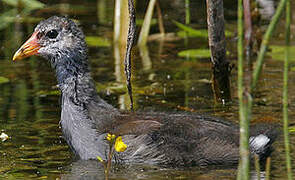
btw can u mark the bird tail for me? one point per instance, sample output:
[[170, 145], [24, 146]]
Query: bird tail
[[261, 140]]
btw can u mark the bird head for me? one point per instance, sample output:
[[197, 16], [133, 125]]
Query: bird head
[[54, 38]]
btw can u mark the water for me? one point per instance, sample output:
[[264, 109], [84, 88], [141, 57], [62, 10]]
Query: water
[[29, 102]]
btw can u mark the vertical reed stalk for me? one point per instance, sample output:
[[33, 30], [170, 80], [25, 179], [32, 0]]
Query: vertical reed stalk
[[257, 166], [187, 12], [109, 162], [243, 173], [121, 22], [248, 28], [285, 91], [267, 169], [160, 19], [217, 44], [145, 29], [187, 21], [117, 21], [102, 11], [265, 41]]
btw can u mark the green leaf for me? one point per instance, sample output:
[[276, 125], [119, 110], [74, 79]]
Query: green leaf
[[26, 7], [195, 53], [26, 4], [3, 80], [70, 8], [48, 93], [202, 33], [292, 129], [278, 52], [139, 22], [190, 32], [7, 18], [99, 159], [95, 41]]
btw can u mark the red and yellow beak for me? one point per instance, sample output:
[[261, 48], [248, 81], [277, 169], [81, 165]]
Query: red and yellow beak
[[29, 48]]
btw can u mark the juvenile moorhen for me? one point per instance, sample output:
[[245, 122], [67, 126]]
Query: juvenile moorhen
[[167, 139]]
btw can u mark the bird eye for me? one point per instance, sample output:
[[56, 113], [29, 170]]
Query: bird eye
[[52, 34]]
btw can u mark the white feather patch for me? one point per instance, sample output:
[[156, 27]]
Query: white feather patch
[[259, 141]]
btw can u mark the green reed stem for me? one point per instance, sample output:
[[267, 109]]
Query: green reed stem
[[109, 162], [285, 91], [265, 41], [243, 173], [145, 29], [257, 166], [187, 12], [267, 169]]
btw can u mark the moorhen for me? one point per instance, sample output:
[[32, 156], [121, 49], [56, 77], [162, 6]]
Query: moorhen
[[168, 139]]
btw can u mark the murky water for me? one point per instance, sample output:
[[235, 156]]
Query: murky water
[[29, 101]]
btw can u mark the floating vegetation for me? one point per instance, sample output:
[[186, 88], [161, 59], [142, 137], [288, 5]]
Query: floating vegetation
[[3, 80], [198, 33], [292, 129], [48, 93], [187, 31], [96, 41], [195, 53], [139, 22], [278, 52]]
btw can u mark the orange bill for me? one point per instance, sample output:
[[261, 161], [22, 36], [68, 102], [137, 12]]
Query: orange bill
[[29, 48]]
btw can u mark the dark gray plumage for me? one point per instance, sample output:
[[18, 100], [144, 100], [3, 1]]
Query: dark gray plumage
[[154, 138]]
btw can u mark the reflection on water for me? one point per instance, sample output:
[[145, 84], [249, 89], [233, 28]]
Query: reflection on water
[[84, 170], [29, 102]]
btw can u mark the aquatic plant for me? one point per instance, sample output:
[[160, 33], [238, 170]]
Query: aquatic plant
[[115, 144], [245, 99], [285, 91], [19, 7]]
